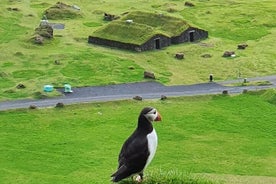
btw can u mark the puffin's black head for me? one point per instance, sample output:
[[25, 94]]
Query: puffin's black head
[[150, 114]]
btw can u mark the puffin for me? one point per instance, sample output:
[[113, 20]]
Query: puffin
[[139, 149]]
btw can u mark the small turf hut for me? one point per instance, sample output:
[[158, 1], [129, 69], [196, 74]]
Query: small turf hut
[[141, 31]]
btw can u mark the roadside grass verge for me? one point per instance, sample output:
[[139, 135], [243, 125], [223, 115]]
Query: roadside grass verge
[[249, 83], [214, 134]]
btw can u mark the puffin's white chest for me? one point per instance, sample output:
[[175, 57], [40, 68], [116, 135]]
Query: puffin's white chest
[[152, 145]]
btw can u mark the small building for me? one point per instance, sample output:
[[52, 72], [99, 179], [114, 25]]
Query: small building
[[147, 31]]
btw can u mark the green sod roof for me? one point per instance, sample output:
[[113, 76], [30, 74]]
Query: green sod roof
[[144, 26], [171, 25]]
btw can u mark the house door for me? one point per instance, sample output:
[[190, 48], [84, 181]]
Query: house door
[[157, 43], [191, 36]]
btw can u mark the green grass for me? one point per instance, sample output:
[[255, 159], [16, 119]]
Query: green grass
[[136, 33], [61, 11], [80, 143], [144, 26], [166, 23], [251, 22]]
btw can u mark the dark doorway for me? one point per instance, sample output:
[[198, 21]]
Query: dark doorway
[[191, 35], [157, 43]]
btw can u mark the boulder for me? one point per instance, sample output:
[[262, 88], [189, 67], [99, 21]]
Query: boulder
[[242, 46], [189, 4], [32, 107], [110, 17], [13, 9], [43, 31], [206, 55], [228, 54], [163, 97], [38, 39], [225, 92], [59, 105], [179, 55], [20, 86], [57, 62], [149, 75], [46, 31], [139, 98]]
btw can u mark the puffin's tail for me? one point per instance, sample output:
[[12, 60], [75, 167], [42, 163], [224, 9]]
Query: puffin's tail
[[120, 174]]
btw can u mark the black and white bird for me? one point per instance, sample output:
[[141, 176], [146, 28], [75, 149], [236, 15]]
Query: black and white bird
[[139, 149]]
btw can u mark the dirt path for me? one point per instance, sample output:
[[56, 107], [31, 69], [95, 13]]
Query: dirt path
[[147, 90]]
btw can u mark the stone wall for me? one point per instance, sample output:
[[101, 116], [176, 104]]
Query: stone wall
[[112, 43], [198, 34], [151, 43]]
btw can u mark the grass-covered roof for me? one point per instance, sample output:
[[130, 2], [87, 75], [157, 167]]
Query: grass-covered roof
[[144, 26]]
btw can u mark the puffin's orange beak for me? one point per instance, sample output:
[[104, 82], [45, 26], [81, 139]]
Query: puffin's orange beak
[[158, 118]]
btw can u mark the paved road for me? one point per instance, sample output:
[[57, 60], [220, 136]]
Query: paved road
[[147, 90]]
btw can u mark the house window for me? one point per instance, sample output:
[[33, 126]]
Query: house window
[[191, 36], [157, 43]]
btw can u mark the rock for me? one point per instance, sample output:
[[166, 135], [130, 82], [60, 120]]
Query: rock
[[163, 97], [206, 55], [242, 46], [138, 98], [12, 9], [76, 7], [148, 74], [46, 31], [20, 86], [57, 62], [38, 39], [225, 92], [179, 55], [32, 107], [110, 17], [189, 4], [245, 91], [59, 105], [228, 54]]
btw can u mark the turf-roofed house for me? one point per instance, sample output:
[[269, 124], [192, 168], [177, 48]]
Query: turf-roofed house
[[141, 31]]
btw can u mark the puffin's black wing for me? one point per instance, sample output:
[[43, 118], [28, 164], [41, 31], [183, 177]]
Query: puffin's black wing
[[133, 156]]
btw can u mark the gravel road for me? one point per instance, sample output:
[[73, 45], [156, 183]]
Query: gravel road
[[147, 90]]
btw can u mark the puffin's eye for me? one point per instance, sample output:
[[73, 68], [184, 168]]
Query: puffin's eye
[[154, 112]]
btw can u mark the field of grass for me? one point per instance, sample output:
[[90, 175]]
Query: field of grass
[[206, 139], [202, 139], [81, 64]]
